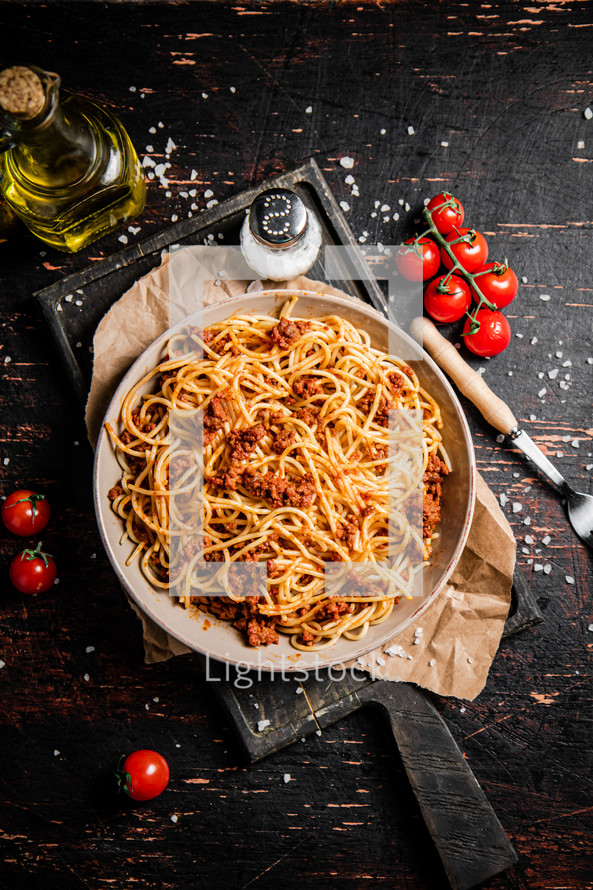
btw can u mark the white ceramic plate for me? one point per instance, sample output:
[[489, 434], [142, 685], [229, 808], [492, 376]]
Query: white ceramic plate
[[219, 639]]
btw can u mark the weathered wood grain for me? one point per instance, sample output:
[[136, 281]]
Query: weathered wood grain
[[505, 85]]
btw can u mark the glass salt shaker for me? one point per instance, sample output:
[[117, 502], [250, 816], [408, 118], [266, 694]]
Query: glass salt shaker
[[280, 237]]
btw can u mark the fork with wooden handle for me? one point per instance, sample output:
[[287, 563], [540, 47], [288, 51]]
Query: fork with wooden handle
[[499, 415]]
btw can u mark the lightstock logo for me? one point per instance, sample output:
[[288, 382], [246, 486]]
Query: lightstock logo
[[201, 280]]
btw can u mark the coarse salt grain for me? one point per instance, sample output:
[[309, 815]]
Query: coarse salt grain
[[56, 752], [261, 725], [233, 89], [411, 131], [383, 131], [546, 540], [547, 569], [2, 664], [347, 162], [286, 778], [432, 662], [380, 661], [553, 373], [7, 359], [545, 297], [575, 443], [86, 678], [517, 507], [174, 818], [299, 690], [89, 649], [308, 109], [527, 520], [445, 144], [503, 499], [528, 539], [590, 628], [538, 567], [470, 659], [524, 279], [542, 393], [587, 114], [569, 579]]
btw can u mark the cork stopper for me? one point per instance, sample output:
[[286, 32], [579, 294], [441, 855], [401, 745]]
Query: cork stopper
[[21, 92]]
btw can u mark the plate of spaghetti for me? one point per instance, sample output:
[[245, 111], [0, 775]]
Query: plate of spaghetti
[[276, 489]]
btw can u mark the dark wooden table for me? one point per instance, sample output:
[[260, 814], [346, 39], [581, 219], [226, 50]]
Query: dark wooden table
[[496, 95]]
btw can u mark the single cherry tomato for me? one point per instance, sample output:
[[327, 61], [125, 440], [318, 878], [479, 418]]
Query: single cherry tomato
[[446, 299], [468, 247], [446, 212], [143, 775], [418, 260], [491, 337], [498, 284], [33, 571], [25, 513]]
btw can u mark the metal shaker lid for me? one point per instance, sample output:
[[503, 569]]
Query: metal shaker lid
[[277, 218]]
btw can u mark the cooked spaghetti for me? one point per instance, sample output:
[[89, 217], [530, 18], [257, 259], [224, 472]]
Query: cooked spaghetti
[[296, 471]]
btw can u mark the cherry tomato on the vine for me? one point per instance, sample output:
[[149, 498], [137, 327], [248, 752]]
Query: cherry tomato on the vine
[[25, 513], [498, 284], [33, 571], [143, 775], [446, 212], [491, 337], [446, 299], [468, 247], [418, 260]]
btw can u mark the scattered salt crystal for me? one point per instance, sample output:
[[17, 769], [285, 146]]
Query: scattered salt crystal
[[503, 499], [406, 207], [542, 393], [208, 193], [286, 778], [204, 95], [411, 131], [529, 562], [569, 579], [432, 662], [533, 341], [383, 131], [524, 279], [156, 699], [151, 130], [396, 649], [56, 752], [528, 539], [409, 658], [519, 336], [132, 89], [580, 144], [308, 109], [590, 628], [544, 297], [361, 659], [509, 373], [567, 364], [559, 354], [419, 631], [537, 567], [462, 710], [170, 146], [400, 201], [532, 417], [347, 162], [587, 114], [395, 217], [373, 215], [299, 690], [6, 461], [123, 239], [233, 89], [89, 649], [380, 661], [174, 218], [500, 438], [517, 507], [470, 659], [174, 818], [445, 144], [385, 208], [211, 203], [546, 540], [150, 148], [553, 373], [160, 169], [7, 359], [575, 443], [317, 732], [362, 239], [261, 725], [86, 678], [524, 549], [160, 125], [547, 569], [590, 361], [527, 520], [566, 438], [69, 298], [559, 454], [256, 706]]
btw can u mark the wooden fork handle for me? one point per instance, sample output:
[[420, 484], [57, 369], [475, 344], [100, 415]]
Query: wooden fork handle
[[471, 384]]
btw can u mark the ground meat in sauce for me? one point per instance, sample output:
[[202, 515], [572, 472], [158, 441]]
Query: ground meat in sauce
[[278, 490], [286, 333], [347, 532], [259, 629], [282, 441], [381, 415], [115, 492], [333, 609], [431, 501], [243, 442], [307, 386], [215, 417], [274, 570], [307, 415]]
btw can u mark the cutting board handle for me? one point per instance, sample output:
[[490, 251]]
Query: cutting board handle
[[491, 407], [470, 840]]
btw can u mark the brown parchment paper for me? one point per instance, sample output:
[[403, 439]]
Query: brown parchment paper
[[450, 649]]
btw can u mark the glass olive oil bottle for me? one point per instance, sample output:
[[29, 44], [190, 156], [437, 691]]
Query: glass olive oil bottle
[[67, 168]]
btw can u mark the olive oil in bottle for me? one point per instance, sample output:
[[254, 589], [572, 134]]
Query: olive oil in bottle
[[67, 168]]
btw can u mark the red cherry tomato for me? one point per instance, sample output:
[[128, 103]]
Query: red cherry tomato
[[418, 260], [33, 571], [143, 775], [446, 212], [446, 299], [25, 513], [469, 249], [498, 284], [492, 336]]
